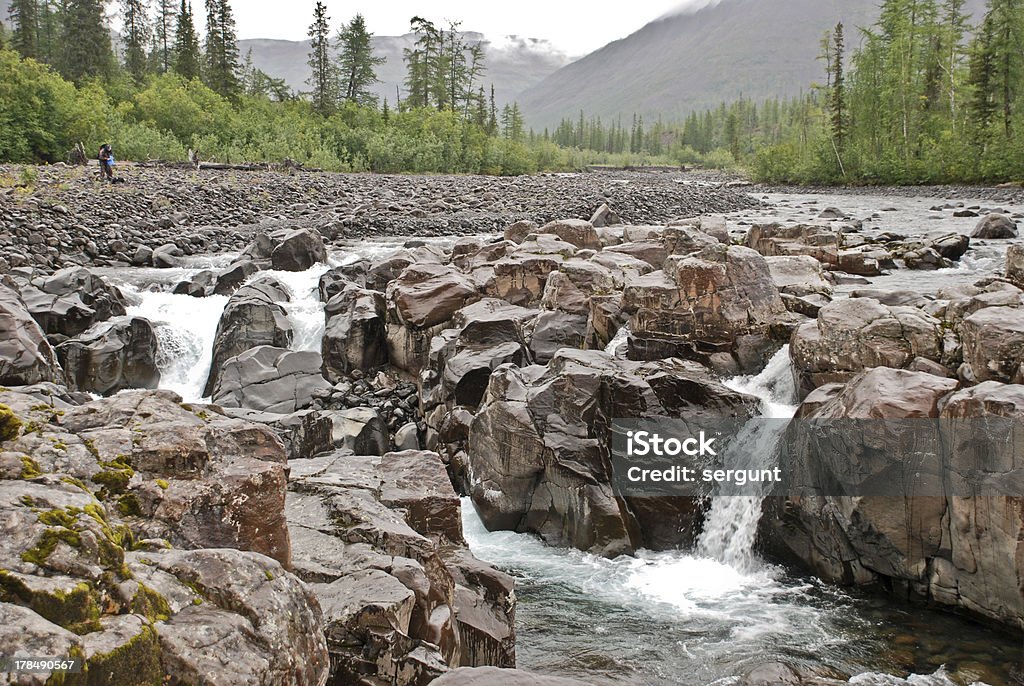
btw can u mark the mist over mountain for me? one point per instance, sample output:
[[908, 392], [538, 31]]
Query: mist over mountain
[[513, 63], [706, 52]]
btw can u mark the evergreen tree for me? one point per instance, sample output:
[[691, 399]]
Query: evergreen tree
[[135, 36], [186, 44], [420, 62], [357, 63], [837, 95], [49, 30], [163, 36], [323, 78], [3, 37], [492, 115], [87, 52], [222, 67], [24, 18]]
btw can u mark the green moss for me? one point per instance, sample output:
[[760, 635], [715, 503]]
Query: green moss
[[77, 610], [163, 484], [90, 445], [28, 501], [150, 604], [33, 427], [75, 482], [269, 574], [135, 662], [129, 506], [64, 518], [30, 469], [10, 425], [47, 543], [115, 476]]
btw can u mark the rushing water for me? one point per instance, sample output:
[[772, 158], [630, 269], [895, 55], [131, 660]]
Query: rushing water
[[711, 615]]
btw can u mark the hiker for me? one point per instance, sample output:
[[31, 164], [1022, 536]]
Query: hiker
[[106, 158]]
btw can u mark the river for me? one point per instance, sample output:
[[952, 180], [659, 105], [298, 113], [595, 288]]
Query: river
[[688, 618]]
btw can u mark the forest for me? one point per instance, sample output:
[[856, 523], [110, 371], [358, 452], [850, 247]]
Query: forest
[[926, 95]]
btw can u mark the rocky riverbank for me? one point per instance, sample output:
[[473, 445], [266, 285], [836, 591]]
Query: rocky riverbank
[[53, 217], [326, 473]]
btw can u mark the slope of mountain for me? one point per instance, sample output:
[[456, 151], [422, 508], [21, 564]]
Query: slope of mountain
[[694, 60], [513, 64]]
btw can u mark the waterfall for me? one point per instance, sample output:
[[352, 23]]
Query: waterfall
[[620, 339], [305, 308], [185, 329], [731, 525]]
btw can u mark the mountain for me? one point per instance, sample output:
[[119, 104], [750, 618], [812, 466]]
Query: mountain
[[513, 64], [696, 58]]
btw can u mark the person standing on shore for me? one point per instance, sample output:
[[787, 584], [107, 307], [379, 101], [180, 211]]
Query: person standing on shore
[[106, 158]]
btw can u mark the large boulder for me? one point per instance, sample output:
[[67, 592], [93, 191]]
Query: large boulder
[[853, 334], [271, 379], [702, 304], [252, 317], [420, 302], [827, 243], [539, 449], [111, 357], [380, 541], [297, 250], [355, 337], [995, 225], [520, 276], [1015, 264], [576, 231], [26, 357], [993, 344], [72, 300], [358, 430], [903, 483]]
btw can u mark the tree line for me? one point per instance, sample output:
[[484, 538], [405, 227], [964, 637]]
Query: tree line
[[163, 88]]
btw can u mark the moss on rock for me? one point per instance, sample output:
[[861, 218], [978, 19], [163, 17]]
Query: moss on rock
[[10, 425]]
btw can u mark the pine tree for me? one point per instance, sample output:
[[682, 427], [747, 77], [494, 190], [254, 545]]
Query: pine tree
[[50, 23], [323, 78], [186, 44], [87, 52], [837, 95], [163, 36], [24, 18], [222, 67], [136, 36], [492, 115], [357, 63], [3, 36], [420, 61]]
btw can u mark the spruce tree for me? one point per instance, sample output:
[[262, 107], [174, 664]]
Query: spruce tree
[[222, 66], [186, 44], [357, 62], [837, 96], [163, 36], [87, 52], [135, 36], [323, 78], [24, 18], [49, 30]]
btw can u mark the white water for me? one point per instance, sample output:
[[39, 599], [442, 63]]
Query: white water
[[619, 341], [304, 307], [731, 525], [185, 330]]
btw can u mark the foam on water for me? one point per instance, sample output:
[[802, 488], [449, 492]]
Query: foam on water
[[304, 307]]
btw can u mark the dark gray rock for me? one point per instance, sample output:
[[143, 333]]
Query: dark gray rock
[[111, 357], [995, 226], [26, 357], [271, 379], [355, 337]]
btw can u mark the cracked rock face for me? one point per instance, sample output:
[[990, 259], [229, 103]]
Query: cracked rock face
[[271, 379], [131, 527], [26, 357]]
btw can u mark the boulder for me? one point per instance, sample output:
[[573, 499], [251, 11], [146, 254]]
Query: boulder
[[167, 256], [72, 300], [951, 246], [271, 379], [604, 216], [799, 275], [26, 357], [854, 334], [925, 259], [1015, 264], [111, 357], [553, 331], [517, 233], [198, 286], [355, 336], [993, 344], [231, 278], [539, 449], [358, 430], [521, 276], [701, 304], [252, 317], [824, 242], [575, 231], [297, 250], [995, 226]]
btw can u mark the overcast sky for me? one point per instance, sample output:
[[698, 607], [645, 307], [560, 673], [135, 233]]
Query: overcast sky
[[574, 26]]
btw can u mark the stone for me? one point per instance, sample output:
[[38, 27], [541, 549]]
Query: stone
[[1015, 264], [231, 278], [167, 256], [701, 304], [427, 295], [271, 379], [926, 259], [488, 676], [72, 300], [540, 464], [407, 437], [252, 317], [995, 226], [799, 275], [355, 336], [604, 216], [553, 331], [521, 276], [518, 232], [26, 357], [297, 250], [112, 356], [359, 430], [575, 231], [854, 334], [993, 344]]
